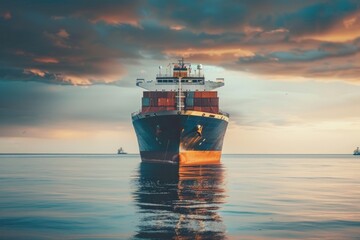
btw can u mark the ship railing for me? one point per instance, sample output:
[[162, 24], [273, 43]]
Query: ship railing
[[135, 113], [224, 113], [188, 75]]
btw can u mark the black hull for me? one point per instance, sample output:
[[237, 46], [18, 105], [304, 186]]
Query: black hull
[[180, 138]]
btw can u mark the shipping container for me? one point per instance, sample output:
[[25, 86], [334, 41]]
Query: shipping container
[[153, 102], [145, 109], [190, 94], [159, 94], [167, 102], [214, 101], [205, 94], [197, 94], [205, 109], [145, 102], [205, 102], [189, 101], [197, 102], [161, 102]]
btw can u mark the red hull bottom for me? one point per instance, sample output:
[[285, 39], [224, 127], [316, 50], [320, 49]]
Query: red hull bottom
[[182, 157]]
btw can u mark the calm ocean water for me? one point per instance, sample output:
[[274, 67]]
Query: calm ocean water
[[117, 197]]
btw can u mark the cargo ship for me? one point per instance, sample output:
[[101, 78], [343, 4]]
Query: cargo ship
[[357, 151], [121, 151], [180, 121]]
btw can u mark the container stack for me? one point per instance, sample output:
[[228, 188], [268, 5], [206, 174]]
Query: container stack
[[158, 101], [203, 101]]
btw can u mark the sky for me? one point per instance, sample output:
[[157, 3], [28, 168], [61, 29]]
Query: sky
[[68, 71]]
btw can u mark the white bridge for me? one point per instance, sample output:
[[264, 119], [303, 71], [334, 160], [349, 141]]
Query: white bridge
[[180, 77], [174, 83]]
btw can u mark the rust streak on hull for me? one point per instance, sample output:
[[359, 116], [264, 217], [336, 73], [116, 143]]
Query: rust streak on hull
[[182, 157], [197, 157]]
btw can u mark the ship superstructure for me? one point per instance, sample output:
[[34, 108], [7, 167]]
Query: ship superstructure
[[180, 121]]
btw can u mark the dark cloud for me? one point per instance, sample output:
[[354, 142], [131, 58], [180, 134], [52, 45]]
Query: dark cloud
[[324, 50], [328, 60], [90, 42], [316, 17]]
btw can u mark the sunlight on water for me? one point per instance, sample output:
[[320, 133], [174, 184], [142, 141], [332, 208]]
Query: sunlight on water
[[117, 197]]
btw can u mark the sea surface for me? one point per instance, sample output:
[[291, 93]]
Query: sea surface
[[118, 197]]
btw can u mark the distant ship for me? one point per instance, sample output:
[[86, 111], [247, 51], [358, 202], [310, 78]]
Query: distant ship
[[180, 121], [357, 151], [121, 151]]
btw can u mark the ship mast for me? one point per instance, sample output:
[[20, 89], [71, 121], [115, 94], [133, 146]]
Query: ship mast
[[179, 95], [179, 103]]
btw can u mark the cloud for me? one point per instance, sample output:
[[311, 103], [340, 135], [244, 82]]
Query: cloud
[[36, 72], [63, 33], [82, 44], [46, 60]]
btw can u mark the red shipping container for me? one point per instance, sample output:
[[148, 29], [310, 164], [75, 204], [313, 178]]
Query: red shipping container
[[171, 102], [205, 102], [206, 94], [169, 94], [197, 102], [206, 109], [214, 101], [145, 109], [197, 94], [153, 102], [215, 109], [212, 94], [161, 102], [168, 102]]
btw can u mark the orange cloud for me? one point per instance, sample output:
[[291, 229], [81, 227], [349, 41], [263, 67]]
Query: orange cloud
[[35, 71], [345, 30], [249, 29], [212, 52], [349, 22], [63, 33], [46, 60], [177, 27], [59, 38], [116, 19], [75, 80], [104, 72]]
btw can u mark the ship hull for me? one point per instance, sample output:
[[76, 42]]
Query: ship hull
[[185, 138]]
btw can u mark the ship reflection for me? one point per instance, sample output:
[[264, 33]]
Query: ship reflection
[[180, 202]]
